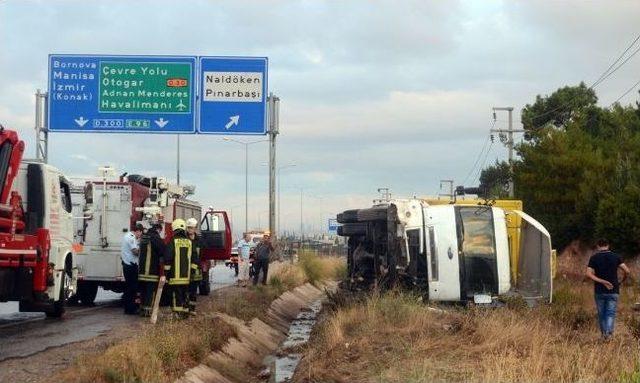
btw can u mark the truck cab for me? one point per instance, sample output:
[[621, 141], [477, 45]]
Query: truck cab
[[451, 252], [37, 264]]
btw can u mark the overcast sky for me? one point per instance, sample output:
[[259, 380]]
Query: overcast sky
[[391, 94]]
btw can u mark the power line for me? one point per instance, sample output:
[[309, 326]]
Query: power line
[[473, 168], [615, 62], [616, 68], [626, 93], [484, 162], [606, 74]]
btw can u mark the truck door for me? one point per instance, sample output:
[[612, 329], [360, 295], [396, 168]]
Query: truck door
[[442, 241], [535, 278], [215, 231]]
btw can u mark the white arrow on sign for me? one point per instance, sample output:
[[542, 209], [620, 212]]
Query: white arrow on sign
[[81, 121], [161, 122], [233, 120]]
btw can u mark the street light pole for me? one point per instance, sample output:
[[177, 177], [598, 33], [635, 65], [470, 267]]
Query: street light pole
[[246, 188], [246, 177]]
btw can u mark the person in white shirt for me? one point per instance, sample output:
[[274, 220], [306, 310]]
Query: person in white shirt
[[129, 255], [244, 253]]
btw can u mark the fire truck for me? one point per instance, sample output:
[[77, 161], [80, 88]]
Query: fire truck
[[108, 209], [37, 264]]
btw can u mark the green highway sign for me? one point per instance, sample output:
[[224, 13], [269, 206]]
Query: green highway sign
[[127, 87]]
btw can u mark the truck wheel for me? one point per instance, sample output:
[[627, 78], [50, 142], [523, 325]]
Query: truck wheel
[[348, 216], [87, 293], [205, 287], [57, 308], [373, 214], [351, 229]]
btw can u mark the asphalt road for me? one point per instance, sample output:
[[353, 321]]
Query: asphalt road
[[25, 334]]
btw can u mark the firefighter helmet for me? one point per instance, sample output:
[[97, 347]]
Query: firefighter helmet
[[178, 224], [192, 222]]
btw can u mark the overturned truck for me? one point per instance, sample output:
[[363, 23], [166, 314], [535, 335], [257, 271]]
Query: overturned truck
[[467, 251]]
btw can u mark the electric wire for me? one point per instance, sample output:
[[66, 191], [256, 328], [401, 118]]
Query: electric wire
[[484, 162], [606, 74], [475, 164], [616, 68], [626, 93], [601, 78]]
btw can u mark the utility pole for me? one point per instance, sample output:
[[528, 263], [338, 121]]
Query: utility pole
[[508, 140], [42, 128], [301, 228], [274, 117]]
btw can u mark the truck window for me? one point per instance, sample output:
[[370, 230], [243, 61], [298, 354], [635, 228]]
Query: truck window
[[476, 236], [413, 242], [5, 156], [434, 254], [65, 196], [477, 232], [213, 222]]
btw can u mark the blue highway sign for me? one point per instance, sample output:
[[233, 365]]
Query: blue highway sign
[[96, 93], [333, 225], [233, 95]]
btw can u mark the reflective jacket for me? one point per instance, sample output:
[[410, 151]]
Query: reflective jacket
[[151, 253], [196, 271], [177, 259]]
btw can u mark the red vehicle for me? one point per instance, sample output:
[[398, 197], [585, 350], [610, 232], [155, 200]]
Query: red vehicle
[[37, 265], [215, 234]]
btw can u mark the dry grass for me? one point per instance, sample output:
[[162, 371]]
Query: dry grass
[[397, 338], [164, 352], [160, 354]]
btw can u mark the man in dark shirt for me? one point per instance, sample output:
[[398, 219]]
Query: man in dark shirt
[[603, 270], [261, 263]]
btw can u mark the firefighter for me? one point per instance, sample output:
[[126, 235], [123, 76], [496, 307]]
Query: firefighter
[[177, 267], [152, 249], [196, 271]]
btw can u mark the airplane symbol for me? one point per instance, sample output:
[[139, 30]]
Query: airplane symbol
[[181, 105]]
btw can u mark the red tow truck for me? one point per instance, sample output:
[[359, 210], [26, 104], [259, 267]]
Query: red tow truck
[[37, 265]]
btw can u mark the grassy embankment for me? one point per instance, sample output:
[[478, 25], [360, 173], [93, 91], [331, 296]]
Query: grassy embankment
[[397, 338], [163, 352]]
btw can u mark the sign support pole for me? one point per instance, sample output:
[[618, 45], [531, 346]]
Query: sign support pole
[[178, 159], [41, 126], [274, 116]]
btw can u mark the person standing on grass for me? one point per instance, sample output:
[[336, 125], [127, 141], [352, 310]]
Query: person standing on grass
[[244, 255], [603, 271], [261, 263]]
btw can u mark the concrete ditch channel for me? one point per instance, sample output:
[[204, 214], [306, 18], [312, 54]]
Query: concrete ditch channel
[[270, 344]]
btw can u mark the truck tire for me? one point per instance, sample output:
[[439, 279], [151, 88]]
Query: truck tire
[[373, 214], [348, 216], [87, 292], [205, 286], [351, 229], [57, 308]]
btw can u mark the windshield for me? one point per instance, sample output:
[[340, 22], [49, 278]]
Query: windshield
[[476, 237]]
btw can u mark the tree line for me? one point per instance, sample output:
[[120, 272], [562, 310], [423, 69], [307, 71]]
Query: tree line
[[578, 169]]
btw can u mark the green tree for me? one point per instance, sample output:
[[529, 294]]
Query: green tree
[[494, 180], [558, 109]]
